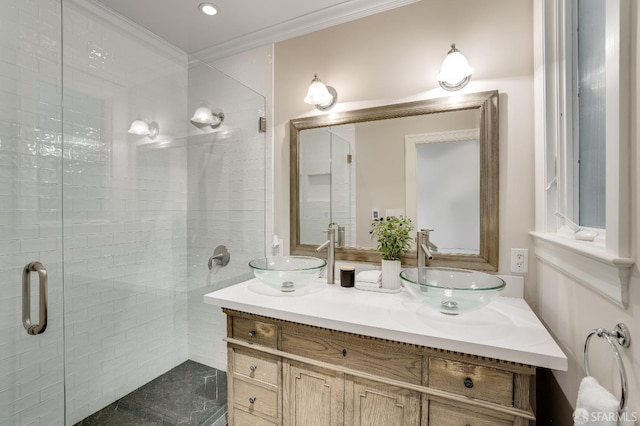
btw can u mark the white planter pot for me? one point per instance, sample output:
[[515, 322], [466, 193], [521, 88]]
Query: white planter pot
[[391, 274]]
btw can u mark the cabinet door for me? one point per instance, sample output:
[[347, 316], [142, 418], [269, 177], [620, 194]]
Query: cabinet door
[[377, 404], [312, 396]]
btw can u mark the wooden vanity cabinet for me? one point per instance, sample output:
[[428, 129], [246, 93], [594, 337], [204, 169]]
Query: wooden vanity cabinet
[[254, 387], [321, 397], [374, 403], [290, 374], [313, 396]]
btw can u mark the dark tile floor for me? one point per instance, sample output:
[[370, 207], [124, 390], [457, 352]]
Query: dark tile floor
[[190, 394]]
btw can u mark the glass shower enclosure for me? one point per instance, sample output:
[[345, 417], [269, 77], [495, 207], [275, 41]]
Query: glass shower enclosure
[[105, 235], [327, 183]]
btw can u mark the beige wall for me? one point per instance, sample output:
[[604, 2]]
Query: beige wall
[[395, 56]]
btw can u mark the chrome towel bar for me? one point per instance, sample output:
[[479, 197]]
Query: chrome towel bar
[[621, 335]]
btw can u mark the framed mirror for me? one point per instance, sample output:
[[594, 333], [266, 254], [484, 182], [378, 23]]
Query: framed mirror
[[435, 161]]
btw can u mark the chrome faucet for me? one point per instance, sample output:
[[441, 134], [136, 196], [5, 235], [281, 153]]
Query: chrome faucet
[[425, 247], [340, 242], [330, 244]]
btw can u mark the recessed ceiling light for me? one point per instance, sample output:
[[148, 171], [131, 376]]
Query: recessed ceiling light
[[208, 9]]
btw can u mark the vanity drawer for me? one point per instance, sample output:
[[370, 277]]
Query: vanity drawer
[[242, 418], [254, 331], [448, 415], [474, 381], [254, 398], [255, 366], [375, 356]]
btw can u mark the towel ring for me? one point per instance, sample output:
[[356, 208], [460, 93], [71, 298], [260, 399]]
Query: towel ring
[[621, 334]]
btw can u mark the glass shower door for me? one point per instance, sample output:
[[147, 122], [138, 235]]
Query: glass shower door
[[126, 262], [327, 178], [31, 365], [342, 187]]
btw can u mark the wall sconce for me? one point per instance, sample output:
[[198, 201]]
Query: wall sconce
[[323, 97], [455, 71], [140, 127], [204, 116]]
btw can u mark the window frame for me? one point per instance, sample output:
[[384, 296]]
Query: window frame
[[604, 264]]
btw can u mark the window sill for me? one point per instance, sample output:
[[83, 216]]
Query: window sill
[[587, 263]]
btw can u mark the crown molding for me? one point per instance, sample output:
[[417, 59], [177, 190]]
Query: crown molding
[[319, 20]]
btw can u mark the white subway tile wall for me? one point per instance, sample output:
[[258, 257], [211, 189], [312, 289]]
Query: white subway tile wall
[[254, 68], [327, 195], [31, 368], [226, 206], [134, 220], [125, 201]]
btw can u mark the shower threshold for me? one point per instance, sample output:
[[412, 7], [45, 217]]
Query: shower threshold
[[190, 394]]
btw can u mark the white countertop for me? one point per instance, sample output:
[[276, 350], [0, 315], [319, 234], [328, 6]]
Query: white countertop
[[507, 329]]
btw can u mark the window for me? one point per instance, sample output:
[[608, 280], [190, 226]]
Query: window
[[582, 141], [588, 76]]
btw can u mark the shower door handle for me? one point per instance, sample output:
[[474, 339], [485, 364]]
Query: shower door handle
[[34, 329]]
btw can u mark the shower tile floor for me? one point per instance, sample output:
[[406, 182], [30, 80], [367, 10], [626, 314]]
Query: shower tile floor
[[190, 394]]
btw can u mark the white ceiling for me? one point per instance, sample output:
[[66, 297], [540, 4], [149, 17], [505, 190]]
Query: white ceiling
[[241, 24]]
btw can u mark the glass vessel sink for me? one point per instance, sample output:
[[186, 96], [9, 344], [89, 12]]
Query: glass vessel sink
[[452, 291], [286, 274]]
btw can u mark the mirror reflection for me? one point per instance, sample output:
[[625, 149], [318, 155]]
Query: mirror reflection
[[408, 166], [433, 161], [442, 187]]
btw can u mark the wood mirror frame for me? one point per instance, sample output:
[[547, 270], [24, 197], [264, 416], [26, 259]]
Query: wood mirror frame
[[487, 104]]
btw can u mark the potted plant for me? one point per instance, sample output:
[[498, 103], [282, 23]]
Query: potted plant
[[392, 234]]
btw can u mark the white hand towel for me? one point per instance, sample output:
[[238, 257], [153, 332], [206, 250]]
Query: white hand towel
[[363, 285], [627, 418], [369, 276], [596, 406]]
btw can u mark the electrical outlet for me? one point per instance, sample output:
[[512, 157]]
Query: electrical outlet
[[519, 260]]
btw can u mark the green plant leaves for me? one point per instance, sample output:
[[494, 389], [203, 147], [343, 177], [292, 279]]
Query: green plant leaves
[[392, 234]]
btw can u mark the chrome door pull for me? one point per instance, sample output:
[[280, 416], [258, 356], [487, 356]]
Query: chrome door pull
[[34, 329]]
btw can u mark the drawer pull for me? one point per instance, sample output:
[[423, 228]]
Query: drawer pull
[[468, 383], [344, 352], [252, 333], [252, 399], [253, 368]]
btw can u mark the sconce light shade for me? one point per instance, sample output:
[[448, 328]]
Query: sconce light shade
[[140, 127], [204, 116], [455, 71], [323, 97]]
